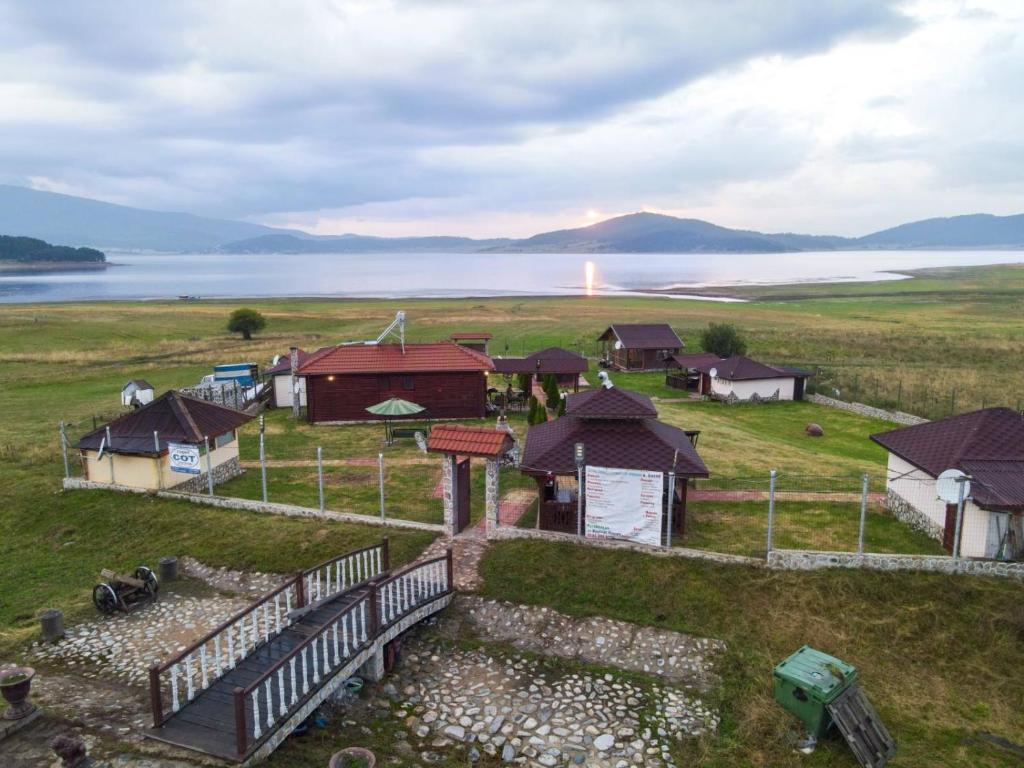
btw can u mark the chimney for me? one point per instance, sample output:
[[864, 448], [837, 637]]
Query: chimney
[[294, 353]]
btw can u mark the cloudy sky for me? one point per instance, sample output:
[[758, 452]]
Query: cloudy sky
[[509, 118]]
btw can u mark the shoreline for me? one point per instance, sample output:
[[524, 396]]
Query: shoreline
[[45, 267]]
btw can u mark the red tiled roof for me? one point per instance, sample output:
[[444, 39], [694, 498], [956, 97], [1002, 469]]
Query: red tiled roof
[[469, 441], [550, 360], [635, 444], [740, 368], [986, 444], [610, 403], [467, 335], [389, 358], [643, 336], [694, 360], [176, 418]]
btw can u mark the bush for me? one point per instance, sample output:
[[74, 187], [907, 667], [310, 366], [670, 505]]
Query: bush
[[723, 340], [536, 413], [552, 395], [525, 382], [246, 322]]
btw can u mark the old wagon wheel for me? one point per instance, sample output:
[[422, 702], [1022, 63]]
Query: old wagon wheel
[[104, 598], [152, 586]]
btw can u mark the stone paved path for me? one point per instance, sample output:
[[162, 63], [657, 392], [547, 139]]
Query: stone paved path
[[532, 712]]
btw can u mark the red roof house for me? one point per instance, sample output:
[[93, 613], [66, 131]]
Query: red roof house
[[447, 379]]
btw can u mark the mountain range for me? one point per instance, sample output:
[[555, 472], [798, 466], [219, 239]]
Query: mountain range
[[75, 221]]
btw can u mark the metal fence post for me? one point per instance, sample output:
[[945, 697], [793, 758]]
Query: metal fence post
[[863, 513], [959, 518], [320, 474], [263, 467], [110, 453], [64, 450], [380, 479], [771, 507], [159, 463], [671, 506], [209, 463], [579, 501]]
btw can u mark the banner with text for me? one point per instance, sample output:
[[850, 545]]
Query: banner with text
[[184, 458], [624, 504]]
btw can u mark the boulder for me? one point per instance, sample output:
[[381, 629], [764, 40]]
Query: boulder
[[814, 430]]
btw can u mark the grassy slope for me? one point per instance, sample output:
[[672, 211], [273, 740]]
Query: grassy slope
[[937, 655]]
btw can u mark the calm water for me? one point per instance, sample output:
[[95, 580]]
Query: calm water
[[146, 276]]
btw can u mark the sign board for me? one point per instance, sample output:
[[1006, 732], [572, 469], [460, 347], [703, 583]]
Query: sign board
[[184, 458], [624, 504]]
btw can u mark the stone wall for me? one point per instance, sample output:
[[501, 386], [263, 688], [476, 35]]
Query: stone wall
[[801, 560], [503, 532], [228, 470], [896, 417], [910, 515], [253, 505]]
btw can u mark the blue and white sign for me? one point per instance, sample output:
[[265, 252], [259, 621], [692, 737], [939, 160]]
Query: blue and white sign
[[184, 458]]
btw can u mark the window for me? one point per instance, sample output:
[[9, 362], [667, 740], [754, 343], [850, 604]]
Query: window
[[383, 383], [226, 439], [408, 383]]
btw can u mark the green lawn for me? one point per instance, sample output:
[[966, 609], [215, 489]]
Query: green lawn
[[936, 654]]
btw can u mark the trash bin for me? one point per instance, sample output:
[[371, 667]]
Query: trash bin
[[807, 682]]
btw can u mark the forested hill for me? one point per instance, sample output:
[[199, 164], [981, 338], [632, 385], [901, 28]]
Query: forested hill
[[28, 249]]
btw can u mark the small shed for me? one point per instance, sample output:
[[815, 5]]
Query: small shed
[[640, 347], [473, 340], [136, 393], [134, 450], [618, 429], [987, 445], [741, 379], [280, 378], [567, 367]]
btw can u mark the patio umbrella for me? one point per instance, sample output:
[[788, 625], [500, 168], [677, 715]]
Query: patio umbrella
[[391, 408]]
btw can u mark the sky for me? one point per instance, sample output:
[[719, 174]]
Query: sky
[[507, 119]]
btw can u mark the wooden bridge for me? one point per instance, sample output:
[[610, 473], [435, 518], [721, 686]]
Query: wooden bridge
[[239, 691]]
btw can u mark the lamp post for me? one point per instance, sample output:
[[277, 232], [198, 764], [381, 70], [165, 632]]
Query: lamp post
[[579, 454]]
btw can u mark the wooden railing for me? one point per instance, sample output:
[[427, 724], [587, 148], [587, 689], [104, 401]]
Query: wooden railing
[[559, 516], [201, 664], [279, 692]]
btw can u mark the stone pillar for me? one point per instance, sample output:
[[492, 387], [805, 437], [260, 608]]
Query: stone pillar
[[373, 667], [448, 492], [491, 496], [294, 355]]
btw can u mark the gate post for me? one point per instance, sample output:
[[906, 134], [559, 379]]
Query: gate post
[[449, 569], [771, 508], [448, 492], [491, 496]]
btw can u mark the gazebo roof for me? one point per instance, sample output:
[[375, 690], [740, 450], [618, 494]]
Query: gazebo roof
[[486, 442], [610, 403], [627, 444], [550, 360]]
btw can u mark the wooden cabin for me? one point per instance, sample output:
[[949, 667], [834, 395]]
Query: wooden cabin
[[640, 347], [138, 451], [618, 429], [447, 379], [740, 379], [567, 367]]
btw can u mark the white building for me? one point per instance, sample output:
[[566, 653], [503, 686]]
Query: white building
[[280, 378], [988, 445], [740, 379], [136, 392]]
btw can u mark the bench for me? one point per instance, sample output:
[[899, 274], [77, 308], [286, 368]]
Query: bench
[[408, 432]]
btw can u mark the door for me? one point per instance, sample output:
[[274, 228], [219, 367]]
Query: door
[[798, 388], [462, 495], [950, 529]]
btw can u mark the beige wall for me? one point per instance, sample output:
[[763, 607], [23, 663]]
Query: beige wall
[[746, 389], [141, 471], [283, 391]]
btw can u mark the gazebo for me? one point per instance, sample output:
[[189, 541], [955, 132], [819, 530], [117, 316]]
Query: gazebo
[[618, 429], [566, 366]]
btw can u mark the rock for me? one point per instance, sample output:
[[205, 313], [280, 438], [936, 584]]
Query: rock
[[814, 430], [508, 753], [604, 742]]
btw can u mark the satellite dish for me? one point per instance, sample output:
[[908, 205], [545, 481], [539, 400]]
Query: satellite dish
[[713, 373], [276, 360], [947, 486], [618, 344]]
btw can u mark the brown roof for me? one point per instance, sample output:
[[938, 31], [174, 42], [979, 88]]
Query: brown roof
[[285, 364], [177, 418], [139, 384], [740, 368], [550, 360], [986, 444], [633, 444], [469, 441], [694, 360], [610, 403], [643, 336], [389, 358], [466, 336]]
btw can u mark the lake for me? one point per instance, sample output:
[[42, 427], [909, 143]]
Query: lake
[[387, 275]]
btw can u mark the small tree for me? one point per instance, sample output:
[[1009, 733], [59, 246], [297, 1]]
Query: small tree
[[246, 322], [536, 413], [552, 395], [525, 382], [723, 340]]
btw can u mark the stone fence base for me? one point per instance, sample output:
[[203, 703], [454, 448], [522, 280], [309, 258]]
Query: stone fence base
[[252, 505], [228, 470], [896, 417], [504, 532], [802, 560]]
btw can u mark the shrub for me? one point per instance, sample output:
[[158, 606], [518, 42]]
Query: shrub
[[723, 339], [246, 322]]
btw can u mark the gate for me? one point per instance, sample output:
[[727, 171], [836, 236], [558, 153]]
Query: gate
[[462, 495]]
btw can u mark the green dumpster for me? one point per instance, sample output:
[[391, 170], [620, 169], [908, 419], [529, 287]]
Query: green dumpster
[[807, 682]]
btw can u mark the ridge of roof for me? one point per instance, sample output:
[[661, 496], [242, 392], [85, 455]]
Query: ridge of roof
[[610, 403], [385, 358]]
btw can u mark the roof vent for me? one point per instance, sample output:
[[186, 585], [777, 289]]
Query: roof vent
[[605, 380]]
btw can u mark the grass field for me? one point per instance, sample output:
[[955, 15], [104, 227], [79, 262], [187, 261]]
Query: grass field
[[937, 655]]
